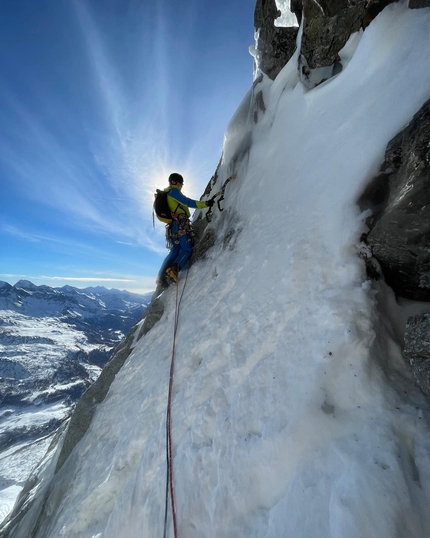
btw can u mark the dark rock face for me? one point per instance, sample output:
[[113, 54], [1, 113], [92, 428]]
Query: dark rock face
[[296, 6], [275, 44], [417, 349], [417, 4], [400, 199], [327, 26], [207, 239], [153, 314]]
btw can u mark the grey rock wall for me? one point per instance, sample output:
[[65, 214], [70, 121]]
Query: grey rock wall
[[417, 349], [417, 4], [327, 26], [399, 197], [275, 45]]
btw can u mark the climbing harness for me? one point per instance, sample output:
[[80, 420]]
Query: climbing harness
[[184, 228], [169, 457], [221, 197]]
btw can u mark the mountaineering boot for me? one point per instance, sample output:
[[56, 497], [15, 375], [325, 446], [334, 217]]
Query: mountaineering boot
[[172, 274]]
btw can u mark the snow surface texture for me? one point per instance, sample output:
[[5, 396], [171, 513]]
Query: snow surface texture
[[287, 17], [15, 467], [294, 414]]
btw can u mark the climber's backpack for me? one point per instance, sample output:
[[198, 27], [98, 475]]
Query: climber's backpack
[[161, 207]]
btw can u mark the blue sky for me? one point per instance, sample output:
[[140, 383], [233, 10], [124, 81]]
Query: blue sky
[[99, 102]]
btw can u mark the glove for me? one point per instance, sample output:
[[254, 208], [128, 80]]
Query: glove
[[210, 203]]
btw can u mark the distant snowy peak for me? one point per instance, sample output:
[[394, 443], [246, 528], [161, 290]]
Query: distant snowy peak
[[25, 285], [98, 289], [4, 286], [103, 292], [27, 298]]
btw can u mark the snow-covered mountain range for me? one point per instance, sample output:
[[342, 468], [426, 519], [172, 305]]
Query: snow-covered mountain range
[[293, 410], [53, 345]]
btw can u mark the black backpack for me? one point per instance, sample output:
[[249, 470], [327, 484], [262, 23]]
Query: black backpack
[[161, 207]]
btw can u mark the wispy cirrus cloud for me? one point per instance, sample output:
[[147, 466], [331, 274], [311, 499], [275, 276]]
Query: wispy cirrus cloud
[[16, 232], [61, 243], [145, 141], [136, 141], [96, 155], [97, 171]]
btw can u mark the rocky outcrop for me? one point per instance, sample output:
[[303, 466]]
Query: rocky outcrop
[[296, 7], [417, 4], [153, 314], [399, 197], [275, 45], [417, 349], [327, 26]]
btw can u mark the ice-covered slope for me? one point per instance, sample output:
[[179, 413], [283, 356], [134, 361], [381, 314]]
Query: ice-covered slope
[[293, 411]]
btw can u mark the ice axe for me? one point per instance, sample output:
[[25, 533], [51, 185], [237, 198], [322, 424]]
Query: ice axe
[[220, 193]]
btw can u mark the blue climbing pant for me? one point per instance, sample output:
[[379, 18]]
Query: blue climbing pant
[[181, 251]]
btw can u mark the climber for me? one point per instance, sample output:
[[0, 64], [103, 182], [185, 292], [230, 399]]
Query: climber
[[179, 231]]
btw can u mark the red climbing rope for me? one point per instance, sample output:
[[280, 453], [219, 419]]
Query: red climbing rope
[[169, 419], [169, 456]]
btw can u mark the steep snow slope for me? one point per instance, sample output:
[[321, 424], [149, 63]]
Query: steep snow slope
[[293, 411]]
